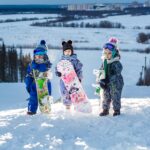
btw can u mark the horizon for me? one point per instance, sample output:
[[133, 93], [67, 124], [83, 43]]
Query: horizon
[[58, 2]]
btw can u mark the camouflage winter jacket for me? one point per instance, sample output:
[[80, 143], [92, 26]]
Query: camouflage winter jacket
[[113, 72]]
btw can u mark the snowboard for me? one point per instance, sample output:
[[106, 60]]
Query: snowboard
[[74, 87], [100, 74], [44, 99]]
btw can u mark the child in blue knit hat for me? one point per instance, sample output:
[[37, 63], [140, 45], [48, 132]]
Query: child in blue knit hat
[[42, 63], [112, 82]]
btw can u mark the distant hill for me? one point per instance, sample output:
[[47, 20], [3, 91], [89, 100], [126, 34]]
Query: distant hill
[[57, 2], [30, 8]]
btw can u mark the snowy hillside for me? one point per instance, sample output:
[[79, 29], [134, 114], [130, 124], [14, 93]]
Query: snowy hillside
[[126, 20], [20, 16], [23, 33], [68, 130]]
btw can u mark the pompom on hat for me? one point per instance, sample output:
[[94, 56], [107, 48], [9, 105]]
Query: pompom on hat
[[111, 44], [41, 49], [113, 41], [67, 45]]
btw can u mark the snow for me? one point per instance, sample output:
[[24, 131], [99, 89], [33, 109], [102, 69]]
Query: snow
[[22, 33], [20, 16], [126, 20], [70, 130]]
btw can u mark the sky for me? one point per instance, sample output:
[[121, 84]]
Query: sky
[[3, 2]]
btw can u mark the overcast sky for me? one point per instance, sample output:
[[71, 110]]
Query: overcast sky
[[3, 2]]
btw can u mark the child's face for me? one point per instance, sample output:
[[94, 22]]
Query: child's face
[[107, 54], [39, 58], [67, 52]]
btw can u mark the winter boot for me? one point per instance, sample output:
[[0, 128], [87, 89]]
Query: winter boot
[[68, 107], [30, 113], [105, 112], [116, 112]]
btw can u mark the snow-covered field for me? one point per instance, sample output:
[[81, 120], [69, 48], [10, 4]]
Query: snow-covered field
[[20, 16], [63, 130], [126, 20], [69, 130], [23, 33]]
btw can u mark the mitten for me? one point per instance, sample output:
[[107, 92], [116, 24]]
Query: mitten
[[103, 83], [58, 74]]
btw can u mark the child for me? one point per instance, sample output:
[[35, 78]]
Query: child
[[68, 54], [40, 62], [113, 83]]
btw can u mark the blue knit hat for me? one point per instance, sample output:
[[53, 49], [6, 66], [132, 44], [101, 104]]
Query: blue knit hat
[[41, 49]]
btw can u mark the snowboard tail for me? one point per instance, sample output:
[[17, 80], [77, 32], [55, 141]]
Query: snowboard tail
[[74, 87]]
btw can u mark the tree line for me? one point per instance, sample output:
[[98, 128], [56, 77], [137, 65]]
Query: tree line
[[101, 24], [12, 65], [144, 78]]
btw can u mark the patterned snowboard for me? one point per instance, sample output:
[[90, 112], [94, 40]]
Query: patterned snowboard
[[44, 99], [74, 87]]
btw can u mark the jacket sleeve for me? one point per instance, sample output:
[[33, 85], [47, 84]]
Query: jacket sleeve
[[49, 65], [78, 69], [29, 78]]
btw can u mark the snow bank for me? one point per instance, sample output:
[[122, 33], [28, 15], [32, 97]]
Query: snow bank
[[63, 130]]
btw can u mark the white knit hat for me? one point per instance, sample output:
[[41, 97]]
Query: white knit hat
[[114, 41]]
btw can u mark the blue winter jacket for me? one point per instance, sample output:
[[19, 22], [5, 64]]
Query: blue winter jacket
[[29, 79]]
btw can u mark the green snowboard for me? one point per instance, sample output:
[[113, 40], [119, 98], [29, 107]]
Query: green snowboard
[[100, 74], [44, 99]]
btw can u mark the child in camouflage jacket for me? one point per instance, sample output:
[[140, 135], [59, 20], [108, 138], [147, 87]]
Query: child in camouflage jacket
[[113, 83]]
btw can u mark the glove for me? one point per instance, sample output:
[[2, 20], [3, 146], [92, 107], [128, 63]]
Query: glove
[[103, 83], [58, 74]]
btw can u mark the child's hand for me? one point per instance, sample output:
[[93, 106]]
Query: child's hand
[[58, 74], [45, 74], [103, 83]]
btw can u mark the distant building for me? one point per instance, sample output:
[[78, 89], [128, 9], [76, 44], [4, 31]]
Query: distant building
[[135, 4], [101, 7], [116, 6], [80, 7], [106, 6], [94, 7], [147, 3]]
